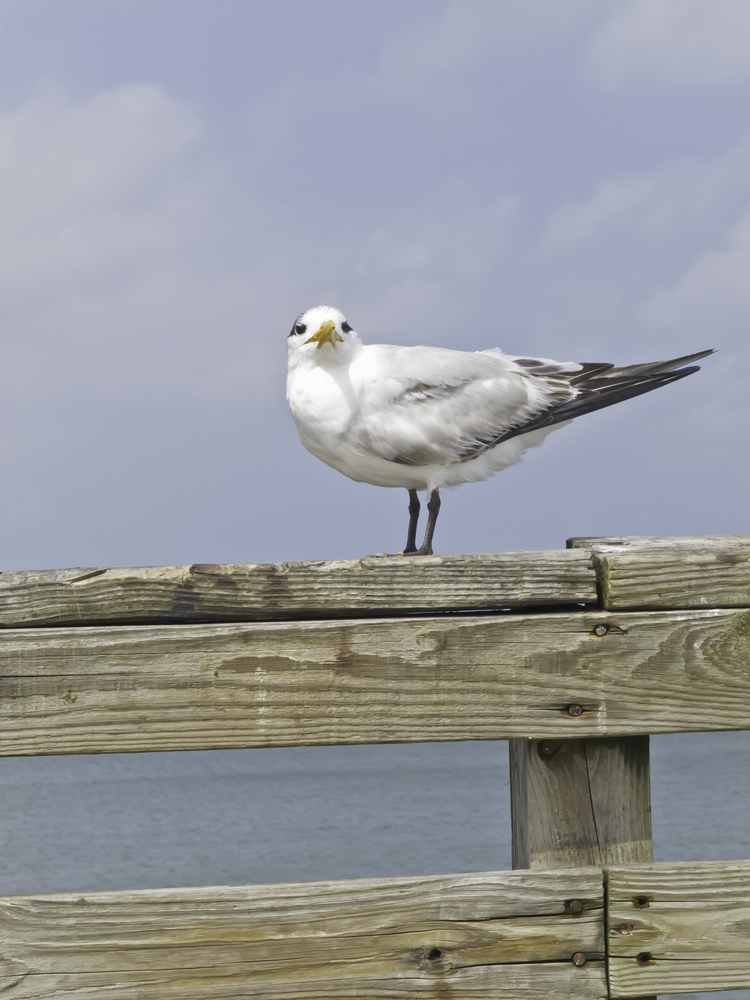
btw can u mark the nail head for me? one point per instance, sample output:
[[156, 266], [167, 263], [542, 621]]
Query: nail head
[[600, 629], [575, 710], [579, 959]]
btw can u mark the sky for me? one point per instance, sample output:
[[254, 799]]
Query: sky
[[179, 179]]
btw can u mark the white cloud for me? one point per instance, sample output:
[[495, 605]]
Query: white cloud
[[86, 187], [428, 64], [121, 270], [467, 31], [599, 262], [419, 267], [714, 292], [450, 235], [655, 206], [627, 268], [672, 42]]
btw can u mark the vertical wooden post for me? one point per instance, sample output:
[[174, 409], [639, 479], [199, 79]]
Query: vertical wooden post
[[580, 802]]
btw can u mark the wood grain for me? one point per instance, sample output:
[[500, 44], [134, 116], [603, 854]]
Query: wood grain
[[689, 923], [135, 688], [580, 802], [692, 572], [492, 936], [282, 591]]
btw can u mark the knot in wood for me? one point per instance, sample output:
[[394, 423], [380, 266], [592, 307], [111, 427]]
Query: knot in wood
[[548, 748], [432, 960]]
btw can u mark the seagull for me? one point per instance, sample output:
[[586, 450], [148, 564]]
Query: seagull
[[422, 418]]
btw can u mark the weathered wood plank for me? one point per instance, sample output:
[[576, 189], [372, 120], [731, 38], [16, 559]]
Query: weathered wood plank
[[493, 936], [580, 802], [679, 928], [268, 591], [692, 572], [135, 688]]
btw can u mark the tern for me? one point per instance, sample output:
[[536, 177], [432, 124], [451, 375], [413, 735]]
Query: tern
[[422, 418]]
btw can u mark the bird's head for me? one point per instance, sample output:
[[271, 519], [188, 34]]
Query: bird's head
[[321, 336]]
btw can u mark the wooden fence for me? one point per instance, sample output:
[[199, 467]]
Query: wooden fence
[[575, 656]]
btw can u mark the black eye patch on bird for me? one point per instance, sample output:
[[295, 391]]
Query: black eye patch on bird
[[345, 327], [298, 329]]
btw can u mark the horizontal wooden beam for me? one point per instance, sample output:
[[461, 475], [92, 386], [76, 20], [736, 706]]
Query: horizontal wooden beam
[[692, 572], [632, 573], [679, 928], [559, 676], [525, 935], [279, 591], [494, 936]]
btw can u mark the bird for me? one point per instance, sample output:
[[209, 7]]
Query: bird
[[423, 418]]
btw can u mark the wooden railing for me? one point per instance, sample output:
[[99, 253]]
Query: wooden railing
[[575, 656]]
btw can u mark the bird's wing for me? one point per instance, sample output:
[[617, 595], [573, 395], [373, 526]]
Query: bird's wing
[[431, 406]]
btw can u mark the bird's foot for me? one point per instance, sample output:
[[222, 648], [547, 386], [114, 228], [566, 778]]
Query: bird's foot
[[397, 555]]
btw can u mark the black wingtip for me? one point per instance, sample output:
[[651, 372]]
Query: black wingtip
[[694, 357], [592, 374], [603, 385]]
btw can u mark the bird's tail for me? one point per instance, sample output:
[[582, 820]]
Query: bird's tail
[[601, 385]]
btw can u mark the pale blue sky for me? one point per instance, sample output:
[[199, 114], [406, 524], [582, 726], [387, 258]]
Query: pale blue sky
[[180, 178]]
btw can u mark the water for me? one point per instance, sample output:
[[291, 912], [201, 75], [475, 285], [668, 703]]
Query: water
[[140, 821]]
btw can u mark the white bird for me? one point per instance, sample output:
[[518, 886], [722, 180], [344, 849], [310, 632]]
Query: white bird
[[426, 417]]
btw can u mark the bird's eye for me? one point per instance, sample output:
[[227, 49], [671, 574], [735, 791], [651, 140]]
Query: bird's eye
[[345, 327], [298, 328]]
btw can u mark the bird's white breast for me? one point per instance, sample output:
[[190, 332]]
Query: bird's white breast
[[322, 405]]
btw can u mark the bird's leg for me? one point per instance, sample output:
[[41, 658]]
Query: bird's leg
[[410, 549], [433, 507]]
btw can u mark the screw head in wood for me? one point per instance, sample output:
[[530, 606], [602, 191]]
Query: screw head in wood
[[579, 959], [576, 906], [600, 629], [574, 710]]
